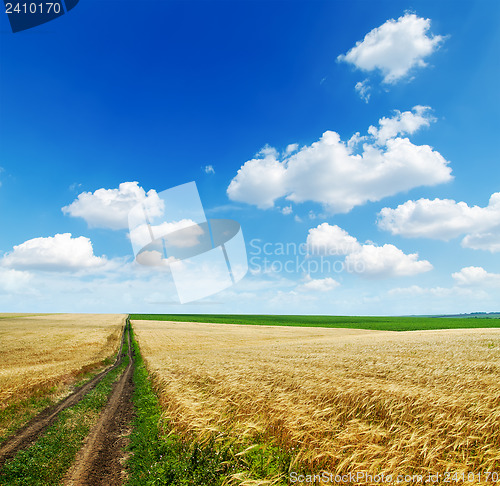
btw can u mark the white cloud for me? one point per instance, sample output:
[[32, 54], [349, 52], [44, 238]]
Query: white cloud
[[363, 89], [488, 241], [144, 234], [154, 258], [14, 281], [414, 290], [331, 240], [385, 261], [209, 169], [109, 208], [368, 259], [407, 122], [259, 181], [394, 48], [61, 252], [75, 186], [319, 284], [331, 173], [293, 147], [287, 210], [476, 276], [445, 219]]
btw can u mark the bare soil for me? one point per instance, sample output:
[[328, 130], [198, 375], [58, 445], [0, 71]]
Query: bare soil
[[101, 459]]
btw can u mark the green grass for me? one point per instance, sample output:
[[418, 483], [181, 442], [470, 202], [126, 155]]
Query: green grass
[[19, 413], [158, 459], [354, 322], [46, 461], [162, 458]]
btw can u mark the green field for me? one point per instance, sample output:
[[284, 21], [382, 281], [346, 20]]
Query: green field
[[355, 322]]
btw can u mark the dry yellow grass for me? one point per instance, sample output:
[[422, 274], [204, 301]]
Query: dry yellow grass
[[40, 351], [341, 400]]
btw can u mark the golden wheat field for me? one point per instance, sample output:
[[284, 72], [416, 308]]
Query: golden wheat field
[[341, 400], [40, 351]]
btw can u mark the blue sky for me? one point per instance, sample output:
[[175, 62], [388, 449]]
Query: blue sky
[[111, 94]]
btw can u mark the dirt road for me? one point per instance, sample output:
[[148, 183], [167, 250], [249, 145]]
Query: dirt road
[[101, 459]]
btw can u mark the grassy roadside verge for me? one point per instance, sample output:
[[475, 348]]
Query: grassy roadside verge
[[160, 457], [381, 323], [46, 461], [19, 413]]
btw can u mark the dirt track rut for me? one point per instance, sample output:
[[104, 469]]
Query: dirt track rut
[[100, 461]]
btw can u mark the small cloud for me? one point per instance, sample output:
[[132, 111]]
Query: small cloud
[[405, 123], [287, 210], [417, 290], [385, 261], [395, 50], [209, 169], [326, 239], [75, 186], [266, 151], [293, 147], [298, 219], [319, 284], [363, 89], [472, 276]]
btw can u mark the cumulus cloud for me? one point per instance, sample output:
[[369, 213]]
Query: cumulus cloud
[[61, 252], [488, 241], [366, 259], [385, 261], [209, 169], [395, 48], [331, 173], [404, 123], [319, 284], [476, 276], [144, 234], [330, 240], [109, 208], [291, 148], [259, 181], [154, 258], [445, 219], [287, 210]]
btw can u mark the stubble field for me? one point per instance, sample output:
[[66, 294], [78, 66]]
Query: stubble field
[[41, 355], [340, 400]]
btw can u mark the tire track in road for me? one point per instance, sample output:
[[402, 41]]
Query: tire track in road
[[36, 427], [100, 460]]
